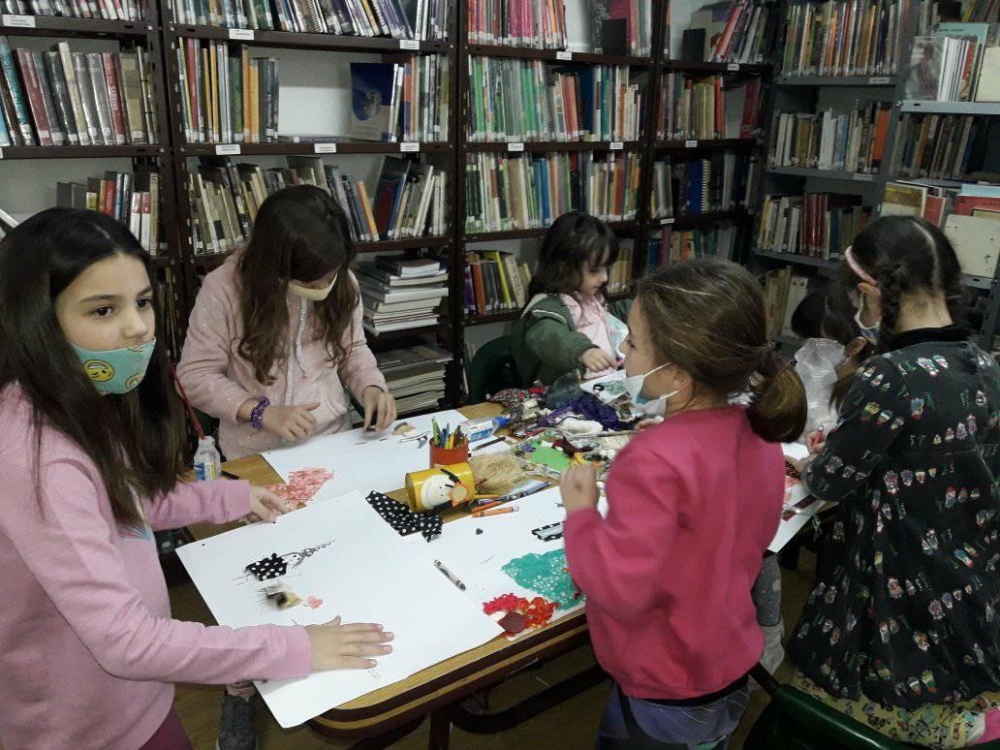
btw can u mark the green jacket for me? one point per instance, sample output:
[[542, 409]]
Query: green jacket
[[544, 342]]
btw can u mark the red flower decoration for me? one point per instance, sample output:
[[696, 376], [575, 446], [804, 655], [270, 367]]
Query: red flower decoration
[[536, 612]]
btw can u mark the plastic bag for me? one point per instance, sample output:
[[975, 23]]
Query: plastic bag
[[816, 362]]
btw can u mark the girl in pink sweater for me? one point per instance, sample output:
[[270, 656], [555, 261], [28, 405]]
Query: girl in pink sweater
[[275, 336], [693, 503], [90, 468]]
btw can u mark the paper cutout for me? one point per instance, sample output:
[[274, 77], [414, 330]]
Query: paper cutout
[[302, 487], [313, 603], [404, 520], [545, 574]]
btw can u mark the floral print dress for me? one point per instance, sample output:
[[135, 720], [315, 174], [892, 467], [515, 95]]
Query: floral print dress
[[904, 610]]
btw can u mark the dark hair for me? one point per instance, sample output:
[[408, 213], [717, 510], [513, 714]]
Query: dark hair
[[136, 439], [905, 254], [300, 234], [808, 317], [708, 317], [573, 239]]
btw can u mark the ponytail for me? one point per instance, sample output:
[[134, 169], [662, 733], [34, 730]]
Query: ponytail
[[778, 404]]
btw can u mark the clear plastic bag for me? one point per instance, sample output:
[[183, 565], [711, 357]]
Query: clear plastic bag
[[816, 362]]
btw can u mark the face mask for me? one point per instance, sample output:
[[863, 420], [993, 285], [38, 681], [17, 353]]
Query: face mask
[[873, 333], [633, 385], [118, 370], [313, 295]]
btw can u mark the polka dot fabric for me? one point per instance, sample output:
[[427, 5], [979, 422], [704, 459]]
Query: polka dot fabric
[[269, 567], [404, 520]]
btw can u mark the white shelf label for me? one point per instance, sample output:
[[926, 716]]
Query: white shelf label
[[518, 146], [879, 80], [664, 222], [616, 146], [324, 148], [733, 67], [564, 55], [859, 177], [227, 149], [690, 144], [413, 44], [19, 22], [241, 35], [409, 148]]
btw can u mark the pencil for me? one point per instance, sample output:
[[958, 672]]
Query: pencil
[[493, 512]]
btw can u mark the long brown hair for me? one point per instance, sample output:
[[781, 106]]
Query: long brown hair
[[300, 234], [135, 440], [575, 238], [707, 316]]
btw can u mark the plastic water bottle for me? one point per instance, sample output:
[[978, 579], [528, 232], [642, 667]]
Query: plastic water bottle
[[207, 461]]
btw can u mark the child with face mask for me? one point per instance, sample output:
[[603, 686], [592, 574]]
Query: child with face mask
[[693, 503], [91, 466]]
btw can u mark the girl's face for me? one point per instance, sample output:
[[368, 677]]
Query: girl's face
[[593, 277], [641, 358], [321, 283], [108, 306]]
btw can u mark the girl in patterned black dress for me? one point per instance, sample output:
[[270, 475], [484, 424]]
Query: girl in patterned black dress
[[901, 629]]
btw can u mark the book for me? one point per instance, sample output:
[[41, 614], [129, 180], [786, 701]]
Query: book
[[388, 192], [372, 99], [406, 266]]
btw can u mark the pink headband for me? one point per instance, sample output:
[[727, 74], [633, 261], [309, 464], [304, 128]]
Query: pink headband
[[865, 276]]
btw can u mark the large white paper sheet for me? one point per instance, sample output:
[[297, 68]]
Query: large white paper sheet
[[361, 461], [368, 573]]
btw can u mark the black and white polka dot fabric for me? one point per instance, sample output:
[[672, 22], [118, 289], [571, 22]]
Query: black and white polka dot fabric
[[404, 520], [269, 567]]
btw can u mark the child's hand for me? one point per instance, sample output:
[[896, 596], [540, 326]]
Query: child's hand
[[815, 441], [290, 422], [596, 359], [264, 505], [578, 486], [381, 404], [336, 646], [648, 422]]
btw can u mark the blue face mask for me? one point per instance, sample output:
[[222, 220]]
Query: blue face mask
[[118, 370]]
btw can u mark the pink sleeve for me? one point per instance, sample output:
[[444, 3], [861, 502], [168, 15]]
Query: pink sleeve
[[359, 368], [219, 501], [617, 560], [68, 545], [205, 360]]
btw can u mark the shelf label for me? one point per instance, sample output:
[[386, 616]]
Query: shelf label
[[413, 44], [227, 149], [860, 177], [517, 146], [733, 67], [19, 22], [409, 148], [690, 144], [241, 35], [616, 146], [564, 55], [879, 80], [664, 222], [324, 148], [1, 153]]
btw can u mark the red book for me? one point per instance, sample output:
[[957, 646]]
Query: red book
[[118, 130], [33, 89], [107, 201], [966, 204]]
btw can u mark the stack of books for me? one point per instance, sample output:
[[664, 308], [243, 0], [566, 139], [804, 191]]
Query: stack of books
[[400, 293], [415, 375]]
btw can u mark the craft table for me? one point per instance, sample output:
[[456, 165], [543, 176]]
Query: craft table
[[395, 710]]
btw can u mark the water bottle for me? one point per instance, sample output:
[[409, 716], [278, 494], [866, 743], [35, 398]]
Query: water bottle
[[207, 461]]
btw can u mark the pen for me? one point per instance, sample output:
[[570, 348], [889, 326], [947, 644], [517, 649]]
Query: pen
[[494, 511], [494, 441], [449, 575], [229, 474]]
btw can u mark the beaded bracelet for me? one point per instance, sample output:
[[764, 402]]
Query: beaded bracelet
[[257, 414]]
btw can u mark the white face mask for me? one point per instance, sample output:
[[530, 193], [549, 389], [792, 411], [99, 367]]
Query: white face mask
[[313, 295], [871, 333]]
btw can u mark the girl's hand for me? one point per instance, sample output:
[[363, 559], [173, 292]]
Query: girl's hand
[[578, 486], [380, 408], [264, 505], [290, 422], [336, 646], [815, 442], [596, 359], [648, 422], [796, 463]]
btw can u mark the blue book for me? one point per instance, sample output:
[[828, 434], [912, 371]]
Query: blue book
[[372, 89]]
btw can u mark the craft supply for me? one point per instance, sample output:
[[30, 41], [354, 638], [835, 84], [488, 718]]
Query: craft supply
[[549, 532], [282, 597], [499, 473], [480, 429], [447, 446], [449, 575], [404, 520], [453, 485], [229, 474], [494, 511], [489, 504], [488, 443]]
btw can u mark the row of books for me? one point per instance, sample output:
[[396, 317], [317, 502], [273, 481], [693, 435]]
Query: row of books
[[621, 27], [399, 19], [783, 291], [495, 281], [721, 181], [527, 100], [517, 23], [815, 225], [844, 37], [109, 10], [227, 96], [529, 192], [59, 97], [404, 101], [978, 11], [132, 198], [168, 288], [937, 146], [709, 107], [731, 32], [851, 141], [959, 62], [415, 375], [671, 245], [399, 293]]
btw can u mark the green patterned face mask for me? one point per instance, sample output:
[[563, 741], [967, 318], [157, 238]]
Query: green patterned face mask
[[118, 370]]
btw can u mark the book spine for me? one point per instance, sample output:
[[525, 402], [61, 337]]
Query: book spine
[[16, 93], [61, 96], [95, 64], [87, 103], [118, 129], [35, 101]]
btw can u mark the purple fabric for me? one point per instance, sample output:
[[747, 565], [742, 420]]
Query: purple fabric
[[587, 407]]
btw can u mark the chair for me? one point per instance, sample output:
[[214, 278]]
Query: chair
[[492, 369]]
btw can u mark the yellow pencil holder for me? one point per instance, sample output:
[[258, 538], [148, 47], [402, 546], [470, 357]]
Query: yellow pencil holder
[[440, 487]]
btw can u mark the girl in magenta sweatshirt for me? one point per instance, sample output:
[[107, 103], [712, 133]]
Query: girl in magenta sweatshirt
[[90, 468], [693, 503]]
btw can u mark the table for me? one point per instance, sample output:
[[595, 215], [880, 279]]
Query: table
[[395, 710]]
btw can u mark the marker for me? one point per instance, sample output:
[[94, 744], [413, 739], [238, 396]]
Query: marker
[[494, 512], [449, 575], [489, 443], [229, 475]]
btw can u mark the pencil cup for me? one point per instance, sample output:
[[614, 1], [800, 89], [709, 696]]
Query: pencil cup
[[440, 487], [448, 456]]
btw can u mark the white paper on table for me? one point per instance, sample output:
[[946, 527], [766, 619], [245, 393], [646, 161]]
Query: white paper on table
[[787, 529], [359, 460], [368, 574]]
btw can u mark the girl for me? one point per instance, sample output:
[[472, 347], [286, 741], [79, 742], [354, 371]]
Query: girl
[[693, 503], [901, 630], [276, 336], [565, 327], [90, 468]]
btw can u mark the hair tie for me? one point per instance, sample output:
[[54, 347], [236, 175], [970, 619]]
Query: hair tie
[[862, 273]]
